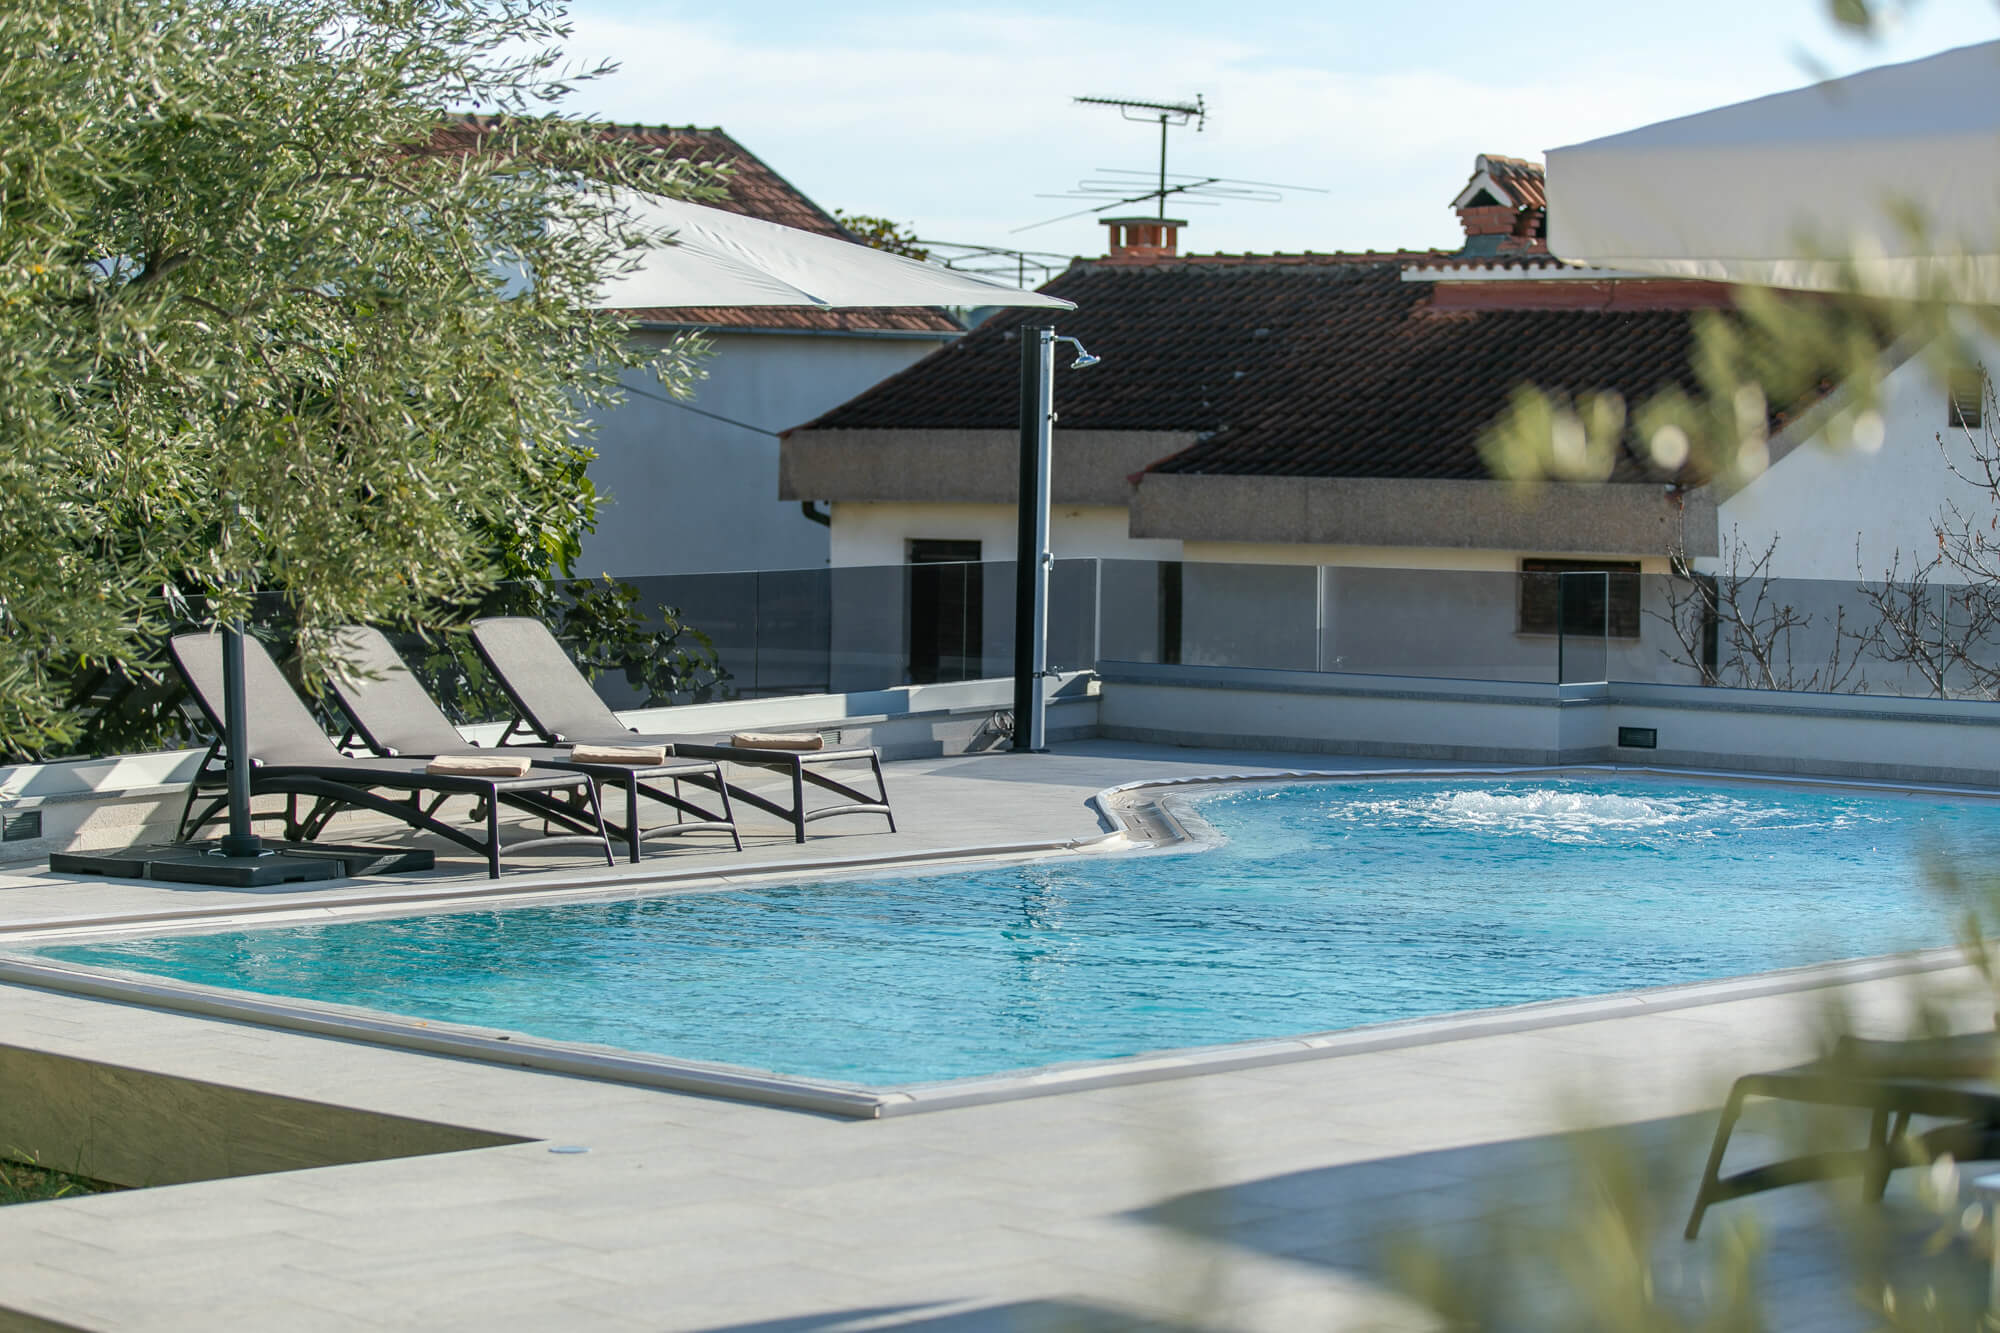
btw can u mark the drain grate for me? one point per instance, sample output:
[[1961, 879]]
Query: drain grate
[[20, 825]]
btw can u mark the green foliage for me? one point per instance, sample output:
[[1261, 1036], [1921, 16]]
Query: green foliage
[[30, 1182], [882, 234], [261, 328], [605, 627]]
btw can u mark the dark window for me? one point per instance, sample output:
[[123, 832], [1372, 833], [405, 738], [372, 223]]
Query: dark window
[[1967, 398], [1583, 604], [947, 611]]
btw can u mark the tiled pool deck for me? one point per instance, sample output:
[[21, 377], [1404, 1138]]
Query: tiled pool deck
[[1253, 1199]]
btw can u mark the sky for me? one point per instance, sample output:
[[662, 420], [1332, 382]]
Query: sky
[[956, 120]]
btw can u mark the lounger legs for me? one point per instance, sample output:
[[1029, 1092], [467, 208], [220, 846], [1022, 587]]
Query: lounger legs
[[604, 834], [1712, 1173], [799, 801], [1875, 1175], [883, 788], [632, 830], [1889, 1145], [722, 790], [493, 839]]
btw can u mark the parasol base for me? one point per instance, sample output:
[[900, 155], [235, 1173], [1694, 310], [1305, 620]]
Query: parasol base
[[279, 863]]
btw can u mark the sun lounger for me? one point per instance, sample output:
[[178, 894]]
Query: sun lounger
[[1948, 1078], [557, 704], [392, 714], [290, 756]]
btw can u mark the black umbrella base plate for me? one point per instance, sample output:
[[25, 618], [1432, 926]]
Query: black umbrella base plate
[[280, 863]]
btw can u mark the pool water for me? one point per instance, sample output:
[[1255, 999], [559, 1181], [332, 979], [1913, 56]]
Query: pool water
[[1329, 905]]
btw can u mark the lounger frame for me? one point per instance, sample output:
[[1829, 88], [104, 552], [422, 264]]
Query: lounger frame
[[336, 781], [1969, 1108], [394, 715], [567, 710]]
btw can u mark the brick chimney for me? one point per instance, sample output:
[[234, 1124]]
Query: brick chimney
[[1142, 240], [1489, 220], [1504, 207]]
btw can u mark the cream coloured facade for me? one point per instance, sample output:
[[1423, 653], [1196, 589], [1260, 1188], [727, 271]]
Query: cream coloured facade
[[881, 532]]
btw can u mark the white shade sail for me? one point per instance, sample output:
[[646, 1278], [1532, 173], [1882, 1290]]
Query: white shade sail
[[1783, 189], [726, 259]]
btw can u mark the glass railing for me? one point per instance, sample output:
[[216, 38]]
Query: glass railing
[[686, 638]]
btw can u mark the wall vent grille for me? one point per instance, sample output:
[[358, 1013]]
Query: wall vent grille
[[1968, 399]]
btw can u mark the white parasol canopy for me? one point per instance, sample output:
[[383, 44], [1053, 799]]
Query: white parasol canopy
[[1814, 188], [726, 259]]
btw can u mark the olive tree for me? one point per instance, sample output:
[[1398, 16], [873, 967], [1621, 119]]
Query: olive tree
[[265, 325]]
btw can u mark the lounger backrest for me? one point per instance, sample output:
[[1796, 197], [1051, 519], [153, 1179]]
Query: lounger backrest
[[544, 684], [282, 729], [388, 706]]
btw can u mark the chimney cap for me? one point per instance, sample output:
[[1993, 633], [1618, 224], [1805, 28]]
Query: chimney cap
[[1143, 239]]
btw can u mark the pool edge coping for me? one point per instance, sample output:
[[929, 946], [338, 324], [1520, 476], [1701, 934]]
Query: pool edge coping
[[854, 1101]]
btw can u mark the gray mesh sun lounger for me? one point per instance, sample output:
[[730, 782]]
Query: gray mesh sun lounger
[[290, 756], [393, 714], [558, 705], [1951, 1079]]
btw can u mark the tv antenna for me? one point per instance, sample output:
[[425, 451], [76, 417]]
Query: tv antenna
[[1167, 113], [1120, 186], [1025, 268]]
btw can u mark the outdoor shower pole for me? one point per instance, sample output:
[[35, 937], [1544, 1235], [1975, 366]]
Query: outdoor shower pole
[[1032, 557]]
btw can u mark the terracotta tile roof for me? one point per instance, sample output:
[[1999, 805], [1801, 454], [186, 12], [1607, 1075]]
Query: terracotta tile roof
[[1331, 366], [1306, 258], [755, 190], [1522, 179]]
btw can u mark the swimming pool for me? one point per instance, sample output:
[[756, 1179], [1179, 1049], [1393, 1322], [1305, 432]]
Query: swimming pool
[[1322, 906]]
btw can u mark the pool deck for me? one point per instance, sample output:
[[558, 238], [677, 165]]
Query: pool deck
[[1252, 1199]]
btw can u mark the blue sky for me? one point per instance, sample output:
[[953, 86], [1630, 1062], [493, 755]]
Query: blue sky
[[955, 120]]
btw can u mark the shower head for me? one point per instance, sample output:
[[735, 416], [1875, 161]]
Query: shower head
[[1084, 360]]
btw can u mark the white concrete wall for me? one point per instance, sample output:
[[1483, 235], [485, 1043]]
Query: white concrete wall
[[684, 493], [1302, 711], [1836, 736], [1821, 501]]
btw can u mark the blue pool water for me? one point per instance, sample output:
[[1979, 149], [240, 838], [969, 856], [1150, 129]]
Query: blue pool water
[[1329, 905]]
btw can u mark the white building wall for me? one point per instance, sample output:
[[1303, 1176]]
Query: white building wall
[[1843, 514], [1383, 610], [685, 493]]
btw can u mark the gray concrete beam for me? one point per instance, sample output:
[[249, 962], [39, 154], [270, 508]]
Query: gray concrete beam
[[1396, 511], [963, 466]]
